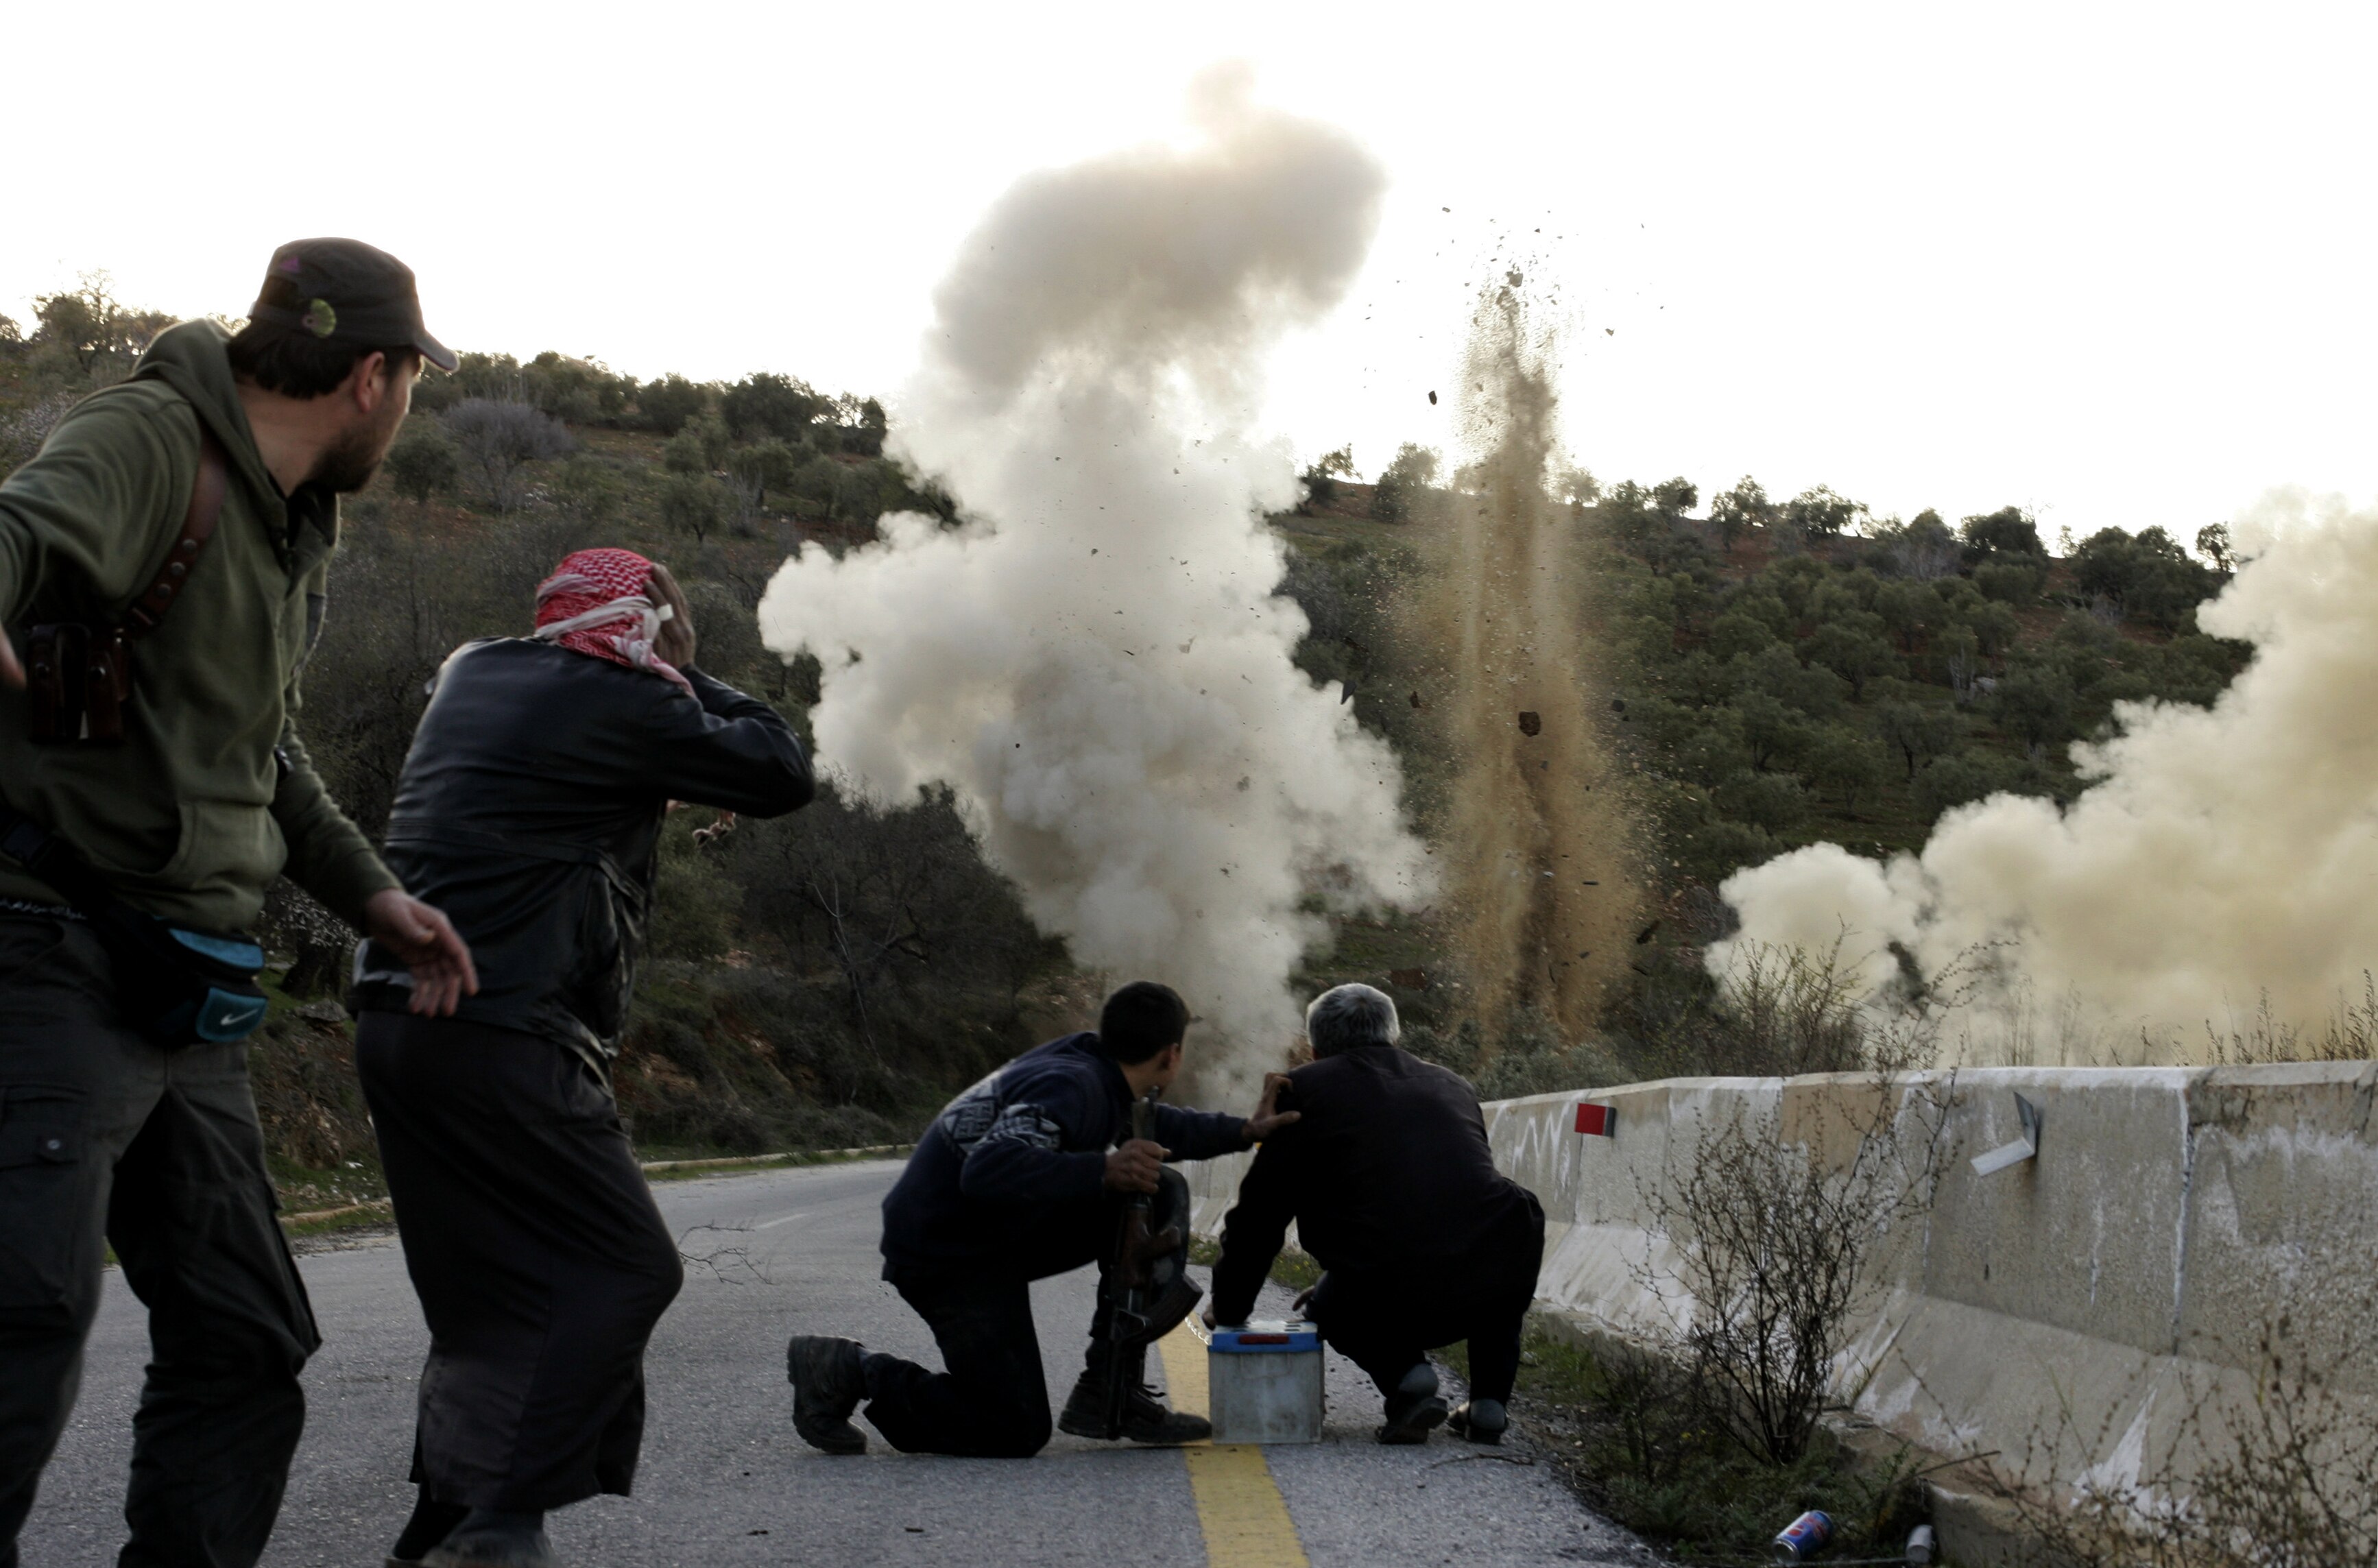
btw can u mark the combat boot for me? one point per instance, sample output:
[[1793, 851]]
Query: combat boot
[[1145, 1419], [829, 1379], [1414, 1409], [1480, 1420]]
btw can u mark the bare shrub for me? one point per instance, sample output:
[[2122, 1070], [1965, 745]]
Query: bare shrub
[[498, 440], [1778, 1232]]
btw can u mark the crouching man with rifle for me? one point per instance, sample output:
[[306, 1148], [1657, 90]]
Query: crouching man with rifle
[[1054, 1161]]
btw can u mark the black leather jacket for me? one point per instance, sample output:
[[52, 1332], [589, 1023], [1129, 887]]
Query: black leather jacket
[[529, 811]]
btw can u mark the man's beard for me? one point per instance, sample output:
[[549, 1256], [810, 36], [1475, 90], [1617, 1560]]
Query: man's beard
[[347, 467]]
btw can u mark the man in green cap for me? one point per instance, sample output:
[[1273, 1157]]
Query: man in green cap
[[162, 571]]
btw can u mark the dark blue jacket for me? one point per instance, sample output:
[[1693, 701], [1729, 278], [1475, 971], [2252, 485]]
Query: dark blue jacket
[[1024, 1148]]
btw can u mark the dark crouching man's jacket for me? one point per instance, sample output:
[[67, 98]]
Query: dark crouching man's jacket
[[1387, 1169], [1009, 1170], [530, 810]]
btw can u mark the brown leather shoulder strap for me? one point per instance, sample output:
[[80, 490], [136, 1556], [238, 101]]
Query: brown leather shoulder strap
[[148, 612]]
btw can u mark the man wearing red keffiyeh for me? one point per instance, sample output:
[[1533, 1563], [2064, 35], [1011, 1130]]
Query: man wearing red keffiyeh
[[530, 809], [598, 601]]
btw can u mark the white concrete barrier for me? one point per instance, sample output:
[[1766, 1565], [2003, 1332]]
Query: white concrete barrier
[[2064, 1312]]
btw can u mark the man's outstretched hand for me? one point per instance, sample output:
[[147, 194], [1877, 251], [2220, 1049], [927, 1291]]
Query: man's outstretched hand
[[440, 961], [1269, 1117], [1135, 1167], [1295, 1308]]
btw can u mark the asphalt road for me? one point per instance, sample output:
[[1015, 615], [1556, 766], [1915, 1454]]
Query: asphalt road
[[726, 1481]]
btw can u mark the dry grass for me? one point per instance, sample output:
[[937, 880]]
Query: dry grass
[[2349, 1033]]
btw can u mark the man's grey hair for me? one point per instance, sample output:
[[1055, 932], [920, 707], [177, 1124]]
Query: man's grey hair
[[1346, 1016]]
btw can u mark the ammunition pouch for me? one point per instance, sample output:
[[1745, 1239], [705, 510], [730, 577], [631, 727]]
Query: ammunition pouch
[[78, 675], [76, 679]]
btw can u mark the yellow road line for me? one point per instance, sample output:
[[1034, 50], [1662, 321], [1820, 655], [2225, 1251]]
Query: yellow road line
[[1185, 1371], [1239, 1505]]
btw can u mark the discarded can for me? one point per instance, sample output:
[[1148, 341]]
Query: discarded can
[[1920, 1544], [1803, 1537]]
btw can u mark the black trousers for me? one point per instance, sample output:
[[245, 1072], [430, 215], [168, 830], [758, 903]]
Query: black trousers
[[1387, 1323], [107, 1139], [992, 1402], [540, 1259]]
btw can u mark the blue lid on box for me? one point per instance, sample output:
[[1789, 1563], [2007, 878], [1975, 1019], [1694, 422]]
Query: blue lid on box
[[1264, 1338]]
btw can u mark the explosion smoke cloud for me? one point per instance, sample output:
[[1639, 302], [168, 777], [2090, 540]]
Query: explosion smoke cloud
[[1540, 849], [1095, 657], [2218, 855]]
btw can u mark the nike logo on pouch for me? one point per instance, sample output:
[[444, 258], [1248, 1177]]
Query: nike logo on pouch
[[229, 1018]]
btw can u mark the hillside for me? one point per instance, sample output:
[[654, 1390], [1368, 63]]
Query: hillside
[[1783, 673]]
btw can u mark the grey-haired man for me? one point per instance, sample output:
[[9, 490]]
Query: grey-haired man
[[1392, 1185]]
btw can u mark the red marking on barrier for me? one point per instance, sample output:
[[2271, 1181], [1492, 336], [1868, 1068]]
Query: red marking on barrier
[[1263, 1339], [1597, 1122]]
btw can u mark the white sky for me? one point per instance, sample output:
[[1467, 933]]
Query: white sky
[[2110, 263]]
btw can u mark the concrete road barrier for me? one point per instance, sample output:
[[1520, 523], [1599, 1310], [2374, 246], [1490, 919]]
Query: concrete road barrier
[[2066, 1311]]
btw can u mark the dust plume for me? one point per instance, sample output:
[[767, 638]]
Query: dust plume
[[1538, 853], [2218, 855], [1095, 657]]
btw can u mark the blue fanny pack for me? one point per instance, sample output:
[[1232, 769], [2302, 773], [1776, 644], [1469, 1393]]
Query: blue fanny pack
[[175, 986]]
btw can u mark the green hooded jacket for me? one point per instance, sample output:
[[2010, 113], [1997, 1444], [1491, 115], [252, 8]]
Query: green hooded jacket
[[210, 795]]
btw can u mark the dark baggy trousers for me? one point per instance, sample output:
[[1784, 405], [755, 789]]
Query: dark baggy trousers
[[1386, 1323], [540, 1259], [105, 1138], [992, 1401]]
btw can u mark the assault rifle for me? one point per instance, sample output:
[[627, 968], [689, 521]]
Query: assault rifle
[[1131, 1284]]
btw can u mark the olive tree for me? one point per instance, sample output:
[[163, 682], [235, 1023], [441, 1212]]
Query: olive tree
[[424, 462]]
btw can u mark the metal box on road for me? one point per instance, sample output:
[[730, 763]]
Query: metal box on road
[[1262, 1383]]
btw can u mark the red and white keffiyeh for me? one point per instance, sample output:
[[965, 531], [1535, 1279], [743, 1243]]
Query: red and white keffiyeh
[[595, 603]]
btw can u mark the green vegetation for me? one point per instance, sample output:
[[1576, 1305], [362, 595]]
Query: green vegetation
[[1782, 680]]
